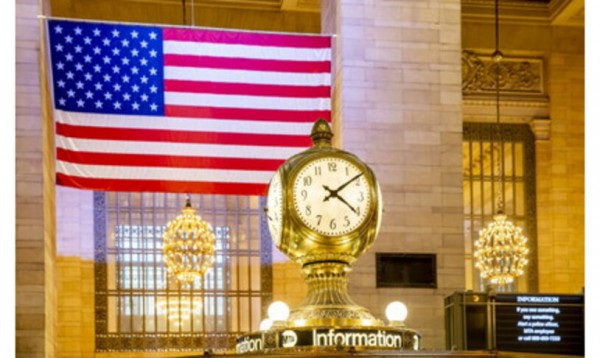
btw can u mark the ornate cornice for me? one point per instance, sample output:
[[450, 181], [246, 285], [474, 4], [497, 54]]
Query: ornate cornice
[[518, 76], [530, 12]]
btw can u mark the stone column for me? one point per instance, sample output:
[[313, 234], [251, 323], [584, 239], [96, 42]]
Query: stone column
[[397, 105], [35, 305]]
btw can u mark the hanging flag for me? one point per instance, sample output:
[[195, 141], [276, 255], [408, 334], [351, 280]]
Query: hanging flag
[[148, 108]]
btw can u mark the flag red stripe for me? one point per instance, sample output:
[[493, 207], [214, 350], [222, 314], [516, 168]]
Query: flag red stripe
[[170, 161], [175, 136], [247, 89], [246, 114], [247, 64], [247, 38], [161, 186]]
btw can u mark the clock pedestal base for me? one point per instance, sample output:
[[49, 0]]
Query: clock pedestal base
[[327, 303]]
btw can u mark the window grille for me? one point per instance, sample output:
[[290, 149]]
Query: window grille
[[482, 183], [140, 308]]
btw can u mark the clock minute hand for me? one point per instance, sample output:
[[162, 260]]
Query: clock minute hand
[[348, 182]]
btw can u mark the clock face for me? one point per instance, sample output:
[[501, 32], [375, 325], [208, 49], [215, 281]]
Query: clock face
[[274, 208], [331, 196]]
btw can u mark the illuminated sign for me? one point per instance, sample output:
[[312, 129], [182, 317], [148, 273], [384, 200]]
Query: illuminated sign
[[540, 323], [289, 338]]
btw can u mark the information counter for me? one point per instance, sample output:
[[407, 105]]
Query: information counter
[[531, 323]]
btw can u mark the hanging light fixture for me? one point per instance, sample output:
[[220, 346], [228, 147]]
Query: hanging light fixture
[[188, 245], [501, 250]]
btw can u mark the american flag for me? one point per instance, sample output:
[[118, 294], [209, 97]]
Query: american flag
[[149, 108]]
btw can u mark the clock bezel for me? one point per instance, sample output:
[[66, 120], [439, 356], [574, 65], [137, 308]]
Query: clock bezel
[[373, 188]]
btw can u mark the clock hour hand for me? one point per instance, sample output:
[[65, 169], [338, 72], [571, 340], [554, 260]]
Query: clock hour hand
[[345, 202], [334, 194]]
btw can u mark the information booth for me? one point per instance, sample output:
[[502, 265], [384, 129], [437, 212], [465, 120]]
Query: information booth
[[531, 323]]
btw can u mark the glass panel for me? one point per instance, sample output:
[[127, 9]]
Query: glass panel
[[519, 159], [520, 193], [485, 160], [508, 159]]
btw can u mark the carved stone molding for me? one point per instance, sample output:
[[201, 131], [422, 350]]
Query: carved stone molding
[[540, 128], [518, 76]]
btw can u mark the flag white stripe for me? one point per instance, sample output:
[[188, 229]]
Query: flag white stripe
[[180, 149], [246, 51], [159, 173], [250, 77], [251, 102], [182, 124]]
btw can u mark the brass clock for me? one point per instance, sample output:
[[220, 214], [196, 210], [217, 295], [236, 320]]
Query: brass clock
[[323, 203], [331, 195]]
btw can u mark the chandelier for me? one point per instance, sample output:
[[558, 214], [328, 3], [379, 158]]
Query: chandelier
[[188, 245], [501, 249], [179, 310]]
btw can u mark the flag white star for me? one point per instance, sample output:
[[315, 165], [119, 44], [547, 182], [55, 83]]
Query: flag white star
[[153, 53], [117, 105], [58, 29], [88, 76], [116, 69], [71, 93], [79, 85], [115, 33], [80, 103], [98, 86], [135, 106], [69, 57], [135, 88], [78, 49], [96, 50], [96, 32], [98, 104], [144, 79], [70, 75], [78, 67], [106, 77], [125, 42], [107, 95], [78, 30], [153, 107], [106, 42], [144, 62], [126, 96], [134, 34], [58, 47], [125, 61], [153, 89], [68, 39], [61, 83], [115, 51], [144, 44], [134, 53], [106, 59], [144, 98], [117, 87], [97, 68], [89, 95], [152, 35], [60, 66], [134, 70], [125, 79], [87, 40], [153, 71], [62, 101], [87, 58]]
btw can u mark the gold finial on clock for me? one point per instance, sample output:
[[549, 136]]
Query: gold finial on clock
[[321, 134]]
